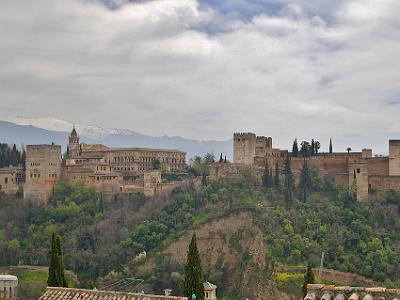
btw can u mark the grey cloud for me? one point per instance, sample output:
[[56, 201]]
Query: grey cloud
[[315, 69]]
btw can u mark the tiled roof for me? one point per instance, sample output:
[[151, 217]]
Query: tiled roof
[[209, 286], [53, 293], [330, 292]]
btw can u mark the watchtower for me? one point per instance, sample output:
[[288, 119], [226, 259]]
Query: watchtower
[[244, 148]]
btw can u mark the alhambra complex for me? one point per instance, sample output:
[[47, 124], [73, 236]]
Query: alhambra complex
[[113, 171], [366, 171]]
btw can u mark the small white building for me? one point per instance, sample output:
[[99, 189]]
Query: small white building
[[8, 287], [210, 291]]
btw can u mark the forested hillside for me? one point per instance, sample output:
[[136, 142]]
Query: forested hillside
[[100, 237]]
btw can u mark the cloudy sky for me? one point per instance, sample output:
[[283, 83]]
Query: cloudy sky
[[204, 69]]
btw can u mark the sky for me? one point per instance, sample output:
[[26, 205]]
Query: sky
[[205, 69]]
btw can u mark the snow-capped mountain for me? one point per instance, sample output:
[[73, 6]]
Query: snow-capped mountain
[[54, 124], [26, 131]]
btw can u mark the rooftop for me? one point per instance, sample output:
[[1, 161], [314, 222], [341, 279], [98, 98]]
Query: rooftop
[[53, 293], [331, 292]]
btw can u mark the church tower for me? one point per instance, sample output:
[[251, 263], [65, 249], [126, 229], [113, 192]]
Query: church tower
[[73, 143]]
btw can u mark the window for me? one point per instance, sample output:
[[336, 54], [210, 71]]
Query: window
[[6, 180], [358, 170]]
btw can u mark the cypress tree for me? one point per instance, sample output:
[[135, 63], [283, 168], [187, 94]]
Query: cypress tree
[[330, 145], [295, 148], [225, 159], [56, 277], [266, 177], [51, 280], [312, 148], [305, 180], [220, 159], [61, 269], [271, 178], [193, 281], [277, 180], [308, 278], [288, 189], [204, 179]]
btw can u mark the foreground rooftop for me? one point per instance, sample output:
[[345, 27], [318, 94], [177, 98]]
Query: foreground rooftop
[[331, 292], [55, 293]]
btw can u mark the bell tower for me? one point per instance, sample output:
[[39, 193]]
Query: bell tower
[[73, 143]]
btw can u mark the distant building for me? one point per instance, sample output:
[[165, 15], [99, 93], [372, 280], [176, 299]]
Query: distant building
[[360, 169], [8, 287], [10, 179], [210, 291]]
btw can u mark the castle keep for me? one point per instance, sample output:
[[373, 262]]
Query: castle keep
[[360, 168]]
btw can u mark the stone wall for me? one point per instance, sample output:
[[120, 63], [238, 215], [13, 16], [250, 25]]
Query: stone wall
[[43, 170], [9, 179]]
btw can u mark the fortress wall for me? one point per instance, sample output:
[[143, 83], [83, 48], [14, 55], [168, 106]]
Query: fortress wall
[[378, 166]]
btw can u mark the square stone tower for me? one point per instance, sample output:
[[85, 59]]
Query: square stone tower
[[394, 157], [244, 148], [43, 170]]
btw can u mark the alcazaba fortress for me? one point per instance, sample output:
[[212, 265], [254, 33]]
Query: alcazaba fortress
[[129, 170]]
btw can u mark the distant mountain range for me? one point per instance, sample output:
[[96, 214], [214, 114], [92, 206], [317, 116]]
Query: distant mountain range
[[48, 130]]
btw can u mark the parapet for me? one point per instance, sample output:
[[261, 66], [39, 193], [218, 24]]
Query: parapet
[[325, 292], [244, 135]]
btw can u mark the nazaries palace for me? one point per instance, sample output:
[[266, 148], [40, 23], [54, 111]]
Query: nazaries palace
[[109, 170], [360, 169]]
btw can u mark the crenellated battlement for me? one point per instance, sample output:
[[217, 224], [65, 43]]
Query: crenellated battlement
[[244, 135]]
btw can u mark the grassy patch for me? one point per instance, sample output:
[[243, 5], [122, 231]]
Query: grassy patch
[[32, 282], [290, 282]]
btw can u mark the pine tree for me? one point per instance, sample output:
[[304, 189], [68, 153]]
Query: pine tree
[[288, 181], [330, 145], [309, 278], [295, 148], [277, 180], [193, 281], [220, 159], [305, 180]]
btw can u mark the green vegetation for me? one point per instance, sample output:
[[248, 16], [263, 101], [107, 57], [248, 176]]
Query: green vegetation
[[103, 236], [193, 280]]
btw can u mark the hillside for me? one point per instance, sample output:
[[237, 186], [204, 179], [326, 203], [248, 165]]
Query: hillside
[[252, 241]]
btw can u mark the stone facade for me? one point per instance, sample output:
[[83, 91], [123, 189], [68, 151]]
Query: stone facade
[[8, 287], [10, 179], [43, 171], [359, 169], [109, 170]]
